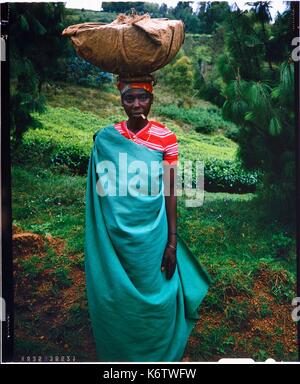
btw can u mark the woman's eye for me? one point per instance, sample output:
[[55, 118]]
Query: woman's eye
[[128, 99]]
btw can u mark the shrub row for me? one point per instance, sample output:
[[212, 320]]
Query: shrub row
[[228, 176], [203, 120], [50, 148], [225, 176]]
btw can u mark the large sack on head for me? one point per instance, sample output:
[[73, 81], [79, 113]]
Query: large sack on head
[[130, 45]]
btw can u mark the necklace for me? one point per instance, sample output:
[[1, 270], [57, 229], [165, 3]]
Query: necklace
[[134, 137]]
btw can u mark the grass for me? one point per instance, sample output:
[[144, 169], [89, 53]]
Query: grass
[[230, 249], [44, 207], [250, 256]]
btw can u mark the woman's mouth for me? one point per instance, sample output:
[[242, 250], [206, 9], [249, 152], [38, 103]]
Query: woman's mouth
[[137, 113]]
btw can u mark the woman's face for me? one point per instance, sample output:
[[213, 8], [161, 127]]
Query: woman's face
[[136, 102]]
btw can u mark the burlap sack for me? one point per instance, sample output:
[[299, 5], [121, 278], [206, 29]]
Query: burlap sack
[[130, 45]]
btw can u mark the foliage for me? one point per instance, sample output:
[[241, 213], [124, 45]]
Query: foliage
[[63, 139], [203, 120], [184, 11], [255, 88], [264, 111], [81, 72], [178, 73], [221, 243], [211, 15], [36, 54], [228, 176], [126, 6], [282, 245], [239, 314], [256, 85], [77, 16], [234, 235]]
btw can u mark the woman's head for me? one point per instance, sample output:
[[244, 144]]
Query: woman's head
[[136, 97]]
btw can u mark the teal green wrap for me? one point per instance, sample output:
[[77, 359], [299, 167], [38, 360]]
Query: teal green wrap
[[136, 313]]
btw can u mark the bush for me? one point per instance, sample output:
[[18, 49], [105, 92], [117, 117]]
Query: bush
[[203, 120], [82, 72], [282, 245], [52, 148], [228, 176], [71, 150], [212, 92], [178, 75], [64, 138]]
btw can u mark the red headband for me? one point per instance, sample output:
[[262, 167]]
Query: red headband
[[124, 87]]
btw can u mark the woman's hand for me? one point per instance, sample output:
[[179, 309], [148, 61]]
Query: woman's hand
[[169, 262]]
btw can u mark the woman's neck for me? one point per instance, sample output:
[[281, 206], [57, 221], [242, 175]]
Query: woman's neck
[[135, 125]]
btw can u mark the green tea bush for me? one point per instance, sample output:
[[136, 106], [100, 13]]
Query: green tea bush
[[203, 120], [228, 176], [232, 133], [70, 149], [52, 148], [64, 139]]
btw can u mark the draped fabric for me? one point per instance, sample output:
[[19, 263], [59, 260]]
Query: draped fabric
[[136, 313]]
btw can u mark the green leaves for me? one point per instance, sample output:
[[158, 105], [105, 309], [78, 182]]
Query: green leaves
[[283, 93], [24, 23], [64, 139], [36, 53], [38, 28], [179, 75], [203, 120], [275, 127], [228, 176], [249, 116]]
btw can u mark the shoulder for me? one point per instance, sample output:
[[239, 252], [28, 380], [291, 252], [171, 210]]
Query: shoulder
[[101, 131], [162, 131]]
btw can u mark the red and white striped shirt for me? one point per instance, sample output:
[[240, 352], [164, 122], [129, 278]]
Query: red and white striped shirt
[[155, 136]]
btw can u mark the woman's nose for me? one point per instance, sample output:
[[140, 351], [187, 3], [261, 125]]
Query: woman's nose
[[136, 102]]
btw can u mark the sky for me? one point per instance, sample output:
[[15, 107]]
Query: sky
[[277, 5]]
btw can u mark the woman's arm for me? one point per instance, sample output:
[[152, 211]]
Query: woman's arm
[[169, 259], [171, 208]]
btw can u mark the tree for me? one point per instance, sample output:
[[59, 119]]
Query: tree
[[211, 15], [163, 10], [179, 74], [258, 88], [36, 55], [184, 11], [261, 10]]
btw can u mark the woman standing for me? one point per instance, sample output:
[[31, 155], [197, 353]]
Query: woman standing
[[143, 283]]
